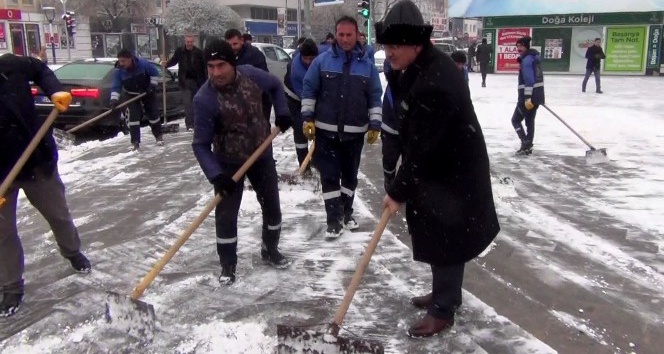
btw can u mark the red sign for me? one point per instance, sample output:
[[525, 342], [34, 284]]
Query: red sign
[[10, 14], [3, 38], [56, 40], [507, 54]]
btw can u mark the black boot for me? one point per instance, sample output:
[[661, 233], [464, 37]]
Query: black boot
[[227, 276], [80, 263], [526, 148], [10, 304], [273, 257]]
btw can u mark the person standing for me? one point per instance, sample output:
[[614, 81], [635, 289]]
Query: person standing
[[459, 58], [483, 54], [39, 178], [444, 178], [326, 44], [135, 76], [594, 54], [191, 75], [229, 127], [531, 94], [245, 53], [366, 46], [247, 38], [341, 102], [293, 81], [471, 56]]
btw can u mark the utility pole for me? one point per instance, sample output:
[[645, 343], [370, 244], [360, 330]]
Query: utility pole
[[64, 11], [163, 52]]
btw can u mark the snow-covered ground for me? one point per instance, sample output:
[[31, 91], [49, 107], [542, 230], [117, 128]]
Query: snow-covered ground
[[577, 268]]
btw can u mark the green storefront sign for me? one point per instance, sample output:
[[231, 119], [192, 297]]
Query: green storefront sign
[[624, 49], [626, 18], [490, 35]]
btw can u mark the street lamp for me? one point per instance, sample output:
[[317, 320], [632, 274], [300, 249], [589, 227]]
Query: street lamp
[[49, 13]]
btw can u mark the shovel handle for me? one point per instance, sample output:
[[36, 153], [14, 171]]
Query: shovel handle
[[361, 268], [159, 266], [88, 122], [11, 176], [569, 127], [307, 159]]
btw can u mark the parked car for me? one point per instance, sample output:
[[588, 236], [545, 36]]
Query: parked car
[[290, 52], [277, 58], [90, 81], [445, 48]]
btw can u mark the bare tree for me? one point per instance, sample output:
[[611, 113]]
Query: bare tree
[[201, 16], [111, 9]]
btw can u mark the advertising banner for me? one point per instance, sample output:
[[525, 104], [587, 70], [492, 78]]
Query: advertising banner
[[654, 47], [490, 35], [281, 21], [625, 49], [506, 55], [582, 38], [3, 36]]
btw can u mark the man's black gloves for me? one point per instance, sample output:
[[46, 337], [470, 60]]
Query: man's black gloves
[[224, 185], [283, 122]]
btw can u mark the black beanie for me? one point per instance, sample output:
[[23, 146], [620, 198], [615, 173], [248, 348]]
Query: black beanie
[[525, 41], [308, 48], [221, 50], [403, 24]]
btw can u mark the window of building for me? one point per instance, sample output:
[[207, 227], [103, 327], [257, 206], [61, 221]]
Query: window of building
[[292, 15], [28, 2], [13, 2], [264, 13]]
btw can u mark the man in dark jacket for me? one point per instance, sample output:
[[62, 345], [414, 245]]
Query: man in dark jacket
[[472, 49], [229, 127], [191, 75], [483, 54], [294, 80], [594, 54], [444, 176], [39, 178], [531, 94], [340, 104], [133, 77], [245, 53]]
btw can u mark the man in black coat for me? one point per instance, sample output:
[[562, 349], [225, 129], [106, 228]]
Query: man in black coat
[[594, 54], [39, 178], [444, 175], [191, 75], [483, 55]]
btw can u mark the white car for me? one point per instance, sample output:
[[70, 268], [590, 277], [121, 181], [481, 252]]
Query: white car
[[379, 58], [277, 58], [290, 52]]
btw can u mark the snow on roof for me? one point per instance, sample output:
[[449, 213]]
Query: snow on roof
[[483, 8]]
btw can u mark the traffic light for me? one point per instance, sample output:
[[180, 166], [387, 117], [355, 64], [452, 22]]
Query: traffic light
[[365, 8], [70, 22]]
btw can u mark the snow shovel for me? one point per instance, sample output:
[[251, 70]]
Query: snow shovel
[[11, 176], [294, 178], [68, 138], [298, 339], [137, 318], [593, 156]]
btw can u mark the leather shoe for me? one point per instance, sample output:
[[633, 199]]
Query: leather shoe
[[422, 302], [429, 326]]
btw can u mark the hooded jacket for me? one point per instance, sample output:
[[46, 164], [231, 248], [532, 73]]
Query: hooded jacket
[[531, 78], [342, 93]]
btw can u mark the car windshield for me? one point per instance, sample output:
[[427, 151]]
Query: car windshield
[[83, 71]]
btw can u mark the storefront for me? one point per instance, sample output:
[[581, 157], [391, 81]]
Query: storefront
[[271, 32], [18, 35], [631, 41]]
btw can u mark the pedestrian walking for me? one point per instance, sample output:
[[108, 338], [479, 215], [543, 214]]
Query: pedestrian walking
[[594, 56], [341, 103], [444, 178], [191, 75], [531, 94], [229, 127], [135, 76], [39, 178], [483, 55]]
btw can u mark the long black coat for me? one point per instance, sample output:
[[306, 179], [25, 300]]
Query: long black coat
[[444, 176]]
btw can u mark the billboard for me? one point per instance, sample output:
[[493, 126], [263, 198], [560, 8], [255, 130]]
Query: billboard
[[625, 49], [506, 53]]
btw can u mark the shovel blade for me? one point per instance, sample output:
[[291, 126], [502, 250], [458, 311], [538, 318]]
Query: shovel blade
[[131, 316], [63, 139], [595, 156], [299, 340]]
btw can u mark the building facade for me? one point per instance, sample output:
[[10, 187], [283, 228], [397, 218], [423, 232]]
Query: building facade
[[24, 30], [269, 21]]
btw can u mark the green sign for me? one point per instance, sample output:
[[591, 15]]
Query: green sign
[[627, 18], [490, 35], [625, 47], [654, 45]]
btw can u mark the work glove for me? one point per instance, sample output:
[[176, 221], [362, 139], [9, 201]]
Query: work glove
[[61, 100], [112, 104], [529, 104], [283, 122], [372, 136], [224, 185], [309, 130]]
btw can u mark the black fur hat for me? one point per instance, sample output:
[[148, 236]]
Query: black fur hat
[[403, 24]]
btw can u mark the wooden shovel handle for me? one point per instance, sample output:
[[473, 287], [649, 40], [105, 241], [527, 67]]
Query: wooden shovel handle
[[90, 121], [11, 176], [307, 159], [159, 266], [361, 268]]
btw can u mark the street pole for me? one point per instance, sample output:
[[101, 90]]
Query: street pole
[[299, 20], [64, 11], [50, 28], [163, 52]]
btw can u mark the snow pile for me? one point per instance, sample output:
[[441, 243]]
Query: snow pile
[[232, 338]]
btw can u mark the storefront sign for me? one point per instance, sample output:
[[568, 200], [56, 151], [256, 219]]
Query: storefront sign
[[507, 53], [625, 47], [654, 45], [56, 40], [575, 20], [10, 14], [3, 36]]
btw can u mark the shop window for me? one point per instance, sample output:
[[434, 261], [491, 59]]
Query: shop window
[[264, 13], [32, 38]]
